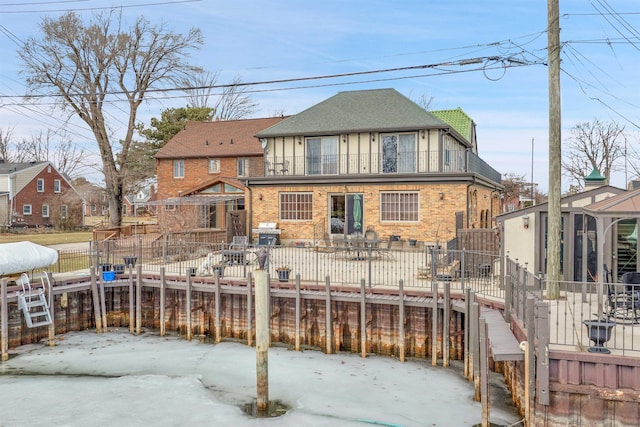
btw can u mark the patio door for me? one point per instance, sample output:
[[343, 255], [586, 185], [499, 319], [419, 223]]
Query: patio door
[[585, 247], [346, 213]]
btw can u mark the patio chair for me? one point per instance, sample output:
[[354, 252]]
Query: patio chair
[[326, 245], [623, 299], [378, 246], [449, 272], [236, 253]]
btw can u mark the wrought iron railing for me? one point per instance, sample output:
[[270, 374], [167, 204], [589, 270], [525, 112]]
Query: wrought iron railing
[[423, 162]]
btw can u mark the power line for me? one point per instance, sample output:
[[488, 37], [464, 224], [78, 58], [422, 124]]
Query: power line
[[38, 3], [84, 9], [463, 62]]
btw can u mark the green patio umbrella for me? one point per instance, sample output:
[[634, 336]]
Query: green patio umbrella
[[357, 212]]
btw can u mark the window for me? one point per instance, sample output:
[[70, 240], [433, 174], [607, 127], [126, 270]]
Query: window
[[40, 185], [399, 206], [243, 167], [214, 165], [178, 168], [26, 209], [322, 155], [94, 208], [296, 206], [63, 211], [56, 185], [399, 153], [45, 211]]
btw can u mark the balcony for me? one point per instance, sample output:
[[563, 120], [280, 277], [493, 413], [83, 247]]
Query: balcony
[[424, 162]]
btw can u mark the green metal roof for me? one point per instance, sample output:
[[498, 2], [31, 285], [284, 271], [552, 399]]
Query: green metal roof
[[595, 176], [458, 119], [378, 110]]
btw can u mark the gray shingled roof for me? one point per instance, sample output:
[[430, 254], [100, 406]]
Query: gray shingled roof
[[6, 168], [378, 110]]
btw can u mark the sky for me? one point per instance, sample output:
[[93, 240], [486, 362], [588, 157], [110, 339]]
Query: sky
[[486, 57], [116, 378]]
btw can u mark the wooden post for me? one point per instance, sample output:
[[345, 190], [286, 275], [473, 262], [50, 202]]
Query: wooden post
[[434, 323], [249, 309], [543, 353], [298, 311], [363, 319], [4, 321], [163, 288], [467, 326], [262, 339], [401, 348], [529, 360], [475, 349], [484, 373], [187, 308], [508, 288], [103, 303], [328, 323], [218, 306], [52, 311], [96, 300], [446, 324], [139, 300], [132, 307]]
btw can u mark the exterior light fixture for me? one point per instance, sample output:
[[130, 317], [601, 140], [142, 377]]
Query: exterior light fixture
[[525, 221], [441, 195]]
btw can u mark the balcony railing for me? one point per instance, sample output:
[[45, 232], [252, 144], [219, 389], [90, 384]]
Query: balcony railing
[[423, 162]]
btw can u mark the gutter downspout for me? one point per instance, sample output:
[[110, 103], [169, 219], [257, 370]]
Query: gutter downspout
[[469, 200]]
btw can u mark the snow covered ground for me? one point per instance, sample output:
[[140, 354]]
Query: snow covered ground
[[119, 379]]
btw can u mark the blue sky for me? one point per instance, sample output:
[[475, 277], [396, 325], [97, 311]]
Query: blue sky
[[259, 41]]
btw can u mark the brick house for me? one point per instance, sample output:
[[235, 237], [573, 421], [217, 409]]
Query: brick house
[[95, 199], [373, 159], [200, 168], [37, 195]]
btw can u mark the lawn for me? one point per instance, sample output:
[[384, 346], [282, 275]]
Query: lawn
[[46, 239]]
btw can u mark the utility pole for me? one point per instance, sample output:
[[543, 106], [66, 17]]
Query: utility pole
[[555, 151]]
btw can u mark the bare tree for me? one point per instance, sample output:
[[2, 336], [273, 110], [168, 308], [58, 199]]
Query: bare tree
[[200, 86], [89, 66], [232, 104], [593, 145], [66, 156], [6, 142], [424, 101]]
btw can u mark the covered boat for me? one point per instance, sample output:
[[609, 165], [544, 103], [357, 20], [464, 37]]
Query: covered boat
[[19, 257]]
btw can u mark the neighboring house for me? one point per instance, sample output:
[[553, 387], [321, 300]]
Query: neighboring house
[[35, 194], [140, 203], [95, 198], [200, 168], [373, 159], [523, 234]]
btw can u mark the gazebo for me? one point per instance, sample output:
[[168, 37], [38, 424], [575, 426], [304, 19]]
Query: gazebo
[[608, 213]]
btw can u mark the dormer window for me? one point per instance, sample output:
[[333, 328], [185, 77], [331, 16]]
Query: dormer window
[[214, 165]]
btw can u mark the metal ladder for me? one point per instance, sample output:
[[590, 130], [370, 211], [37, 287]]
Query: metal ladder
[[33, 303]]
